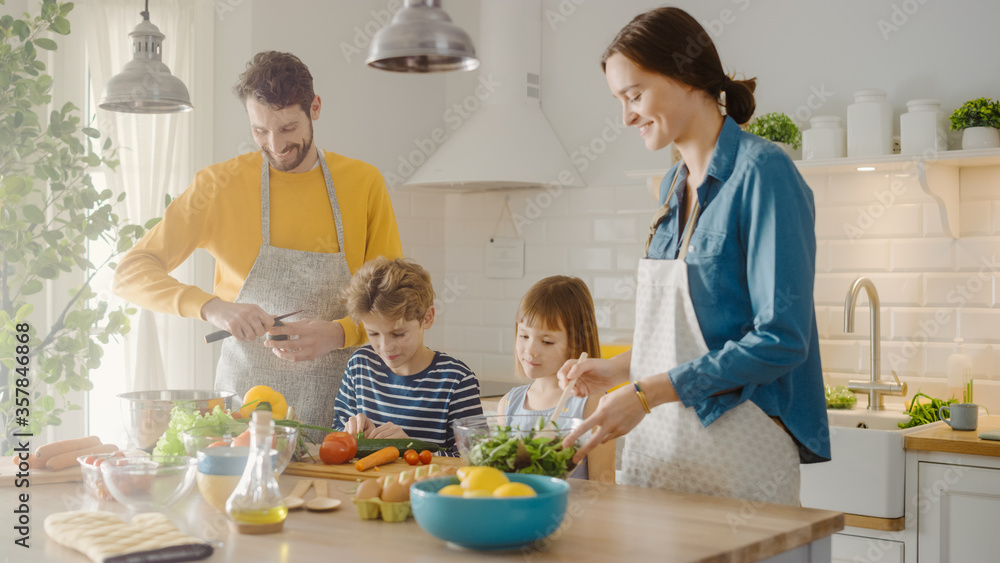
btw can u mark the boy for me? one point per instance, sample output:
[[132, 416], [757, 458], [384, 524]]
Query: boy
[[395, 387]]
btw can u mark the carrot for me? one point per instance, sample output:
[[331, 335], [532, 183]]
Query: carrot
[[48, 451], [381, 457], [68, 459]]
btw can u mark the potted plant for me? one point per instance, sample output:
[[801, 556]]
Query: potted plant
[[49, 210], [979, 122], [779, 128]]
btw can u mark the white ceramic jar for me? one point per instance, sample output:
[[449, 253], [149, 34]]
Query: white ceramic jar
[[823, 139], [923, 128], [869, 124]]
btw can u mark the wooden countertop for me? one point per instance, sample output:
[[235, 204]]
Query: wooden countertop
[[603, 523], [941, 438]]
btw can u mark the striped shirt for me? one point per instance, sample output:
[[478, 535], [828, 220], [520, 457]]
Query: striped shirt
[[423, 404]]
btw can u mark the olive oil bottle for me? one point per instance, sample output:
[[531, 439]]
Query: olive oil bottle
[[256, 506]]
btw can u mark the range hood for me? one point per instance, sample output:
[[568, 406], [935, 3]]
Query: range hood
[[506, 141]]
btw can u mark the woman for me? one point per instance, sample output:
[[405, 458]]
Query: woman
[[728, 395]]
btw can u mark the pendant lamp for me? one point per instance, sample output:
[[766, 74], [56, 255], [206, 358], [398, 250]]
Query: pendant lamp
[[145, 84], [422, 38]]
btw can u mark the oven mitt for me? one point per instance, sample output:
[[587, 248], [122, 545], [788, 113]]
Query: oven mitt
[[105, 538], [990, 435]]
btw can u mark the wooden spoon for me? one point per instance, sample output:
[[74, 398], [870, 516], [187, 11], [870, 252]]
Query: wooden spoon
[[322, 502], [564, 397], [295, 500]]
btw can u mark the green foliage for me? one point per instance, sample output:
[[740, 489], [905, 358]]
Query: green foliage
[[49, 210], [981, 112], [776, 127]]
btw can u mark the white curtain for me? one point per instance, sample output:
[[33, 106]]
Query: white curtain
[[156, 155]]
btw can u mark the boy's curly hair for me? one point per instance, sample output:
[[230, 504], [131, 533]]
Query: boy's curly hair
[[399, 290]]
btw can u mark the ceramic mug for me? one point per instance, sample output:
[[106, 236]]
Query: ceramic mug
[[963, 416]]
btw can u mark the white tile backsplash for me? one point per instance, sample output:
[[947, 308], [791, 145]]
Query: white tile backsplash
[[927, 255], [979, 325], [589, 259], [859, 256], [614, 230], [958, 290], [881, 225]]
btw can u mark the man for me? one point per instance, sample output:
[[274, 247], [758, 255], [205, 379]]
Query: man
[[287, 225]]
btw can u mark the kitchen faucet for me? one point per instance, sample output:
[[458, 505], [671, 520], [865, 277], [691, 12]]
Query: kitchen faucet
[[875, 387]]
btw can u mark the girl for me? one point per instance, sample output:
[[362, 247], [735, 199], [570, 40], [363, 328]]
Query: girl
[[555, 322], [727, 389]]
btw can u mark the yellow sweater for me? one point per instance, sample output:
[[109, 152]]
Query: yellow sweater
[[221, 213]]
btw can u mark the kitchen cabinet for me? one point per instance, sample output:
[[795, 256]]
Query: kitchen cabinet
[[952, 494], [962, 508], [848, 548]]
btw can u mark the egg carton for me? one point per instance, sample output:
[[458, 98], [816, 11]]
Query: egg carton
[[372, 508]]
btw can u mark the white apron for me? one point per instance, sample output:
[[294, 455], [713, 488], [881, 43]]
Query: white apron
[[281, 281], [743, 453]]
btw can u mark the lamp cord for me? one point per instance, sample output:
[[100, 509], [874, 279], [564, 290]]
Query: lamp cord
[[145, 13]]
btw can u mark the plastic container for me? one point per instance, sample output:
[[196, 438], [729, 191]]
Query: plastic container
[[824, 138], [923, 128], [959, 368], [869, 124]]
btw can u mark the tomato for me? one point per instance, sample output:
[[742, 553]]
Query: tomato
[[411, 457], [425, 457], [338, 447]]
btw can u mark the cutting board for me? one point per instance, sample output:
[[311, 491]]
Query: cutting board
[[8, 475], [347, 471]]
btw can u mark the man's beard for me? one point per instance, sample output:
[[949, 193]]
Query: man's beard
[[301, 151]]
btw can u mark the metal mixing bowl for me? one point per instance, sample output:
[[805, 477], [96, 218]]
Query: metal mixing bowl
[[146, 414]]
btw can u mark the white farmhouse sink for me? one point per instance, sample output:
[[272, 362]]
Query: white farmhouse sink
[[866, 474]]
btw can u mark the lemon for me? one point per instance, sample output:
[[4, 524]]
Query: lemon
[[484, 479], [463, 472], [477, 494], [514, 490], [453, 490]]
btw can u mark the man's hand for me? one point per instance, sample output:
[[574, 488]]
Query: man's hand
[[243, 320], [359, 423], [307, 340]]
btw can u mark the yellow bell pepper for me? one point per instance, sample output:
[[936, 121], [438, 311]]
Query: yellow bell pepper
[[263, 397]]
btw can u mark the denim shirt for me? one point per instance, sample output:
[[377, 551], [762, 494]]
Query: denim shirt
[[751, 264]]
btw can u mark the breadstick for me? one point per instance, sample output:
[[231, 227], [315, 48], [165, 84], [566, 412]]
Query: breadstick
[[68, 459], [48, 451]]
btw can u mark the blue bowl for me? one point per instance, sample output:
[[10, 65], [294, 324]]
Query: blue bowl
[[490, 523]]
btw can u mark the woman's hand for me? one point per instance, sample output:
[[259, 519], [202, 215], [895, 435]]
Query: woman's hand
[[617, 413], [595, 375], [306, 340]]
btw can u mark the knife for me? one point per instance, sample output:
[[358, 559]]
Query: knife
[[220, 334]]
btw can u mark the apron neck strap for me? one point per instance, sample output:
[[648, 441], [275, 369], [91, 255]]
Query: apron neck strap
[[663, 211], [265, 199], [688, 230]]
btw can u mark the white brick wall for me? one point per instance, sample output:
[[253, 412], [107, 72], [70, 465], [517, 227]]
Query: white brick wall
[[932, 288]]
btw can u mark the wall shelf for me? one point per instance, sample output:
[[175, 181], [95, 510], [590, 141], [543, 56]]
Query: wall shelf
[[938, 176]]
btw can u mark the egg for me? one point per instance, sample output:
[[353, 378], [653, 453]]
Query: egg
[[394, 491], [370, 488]]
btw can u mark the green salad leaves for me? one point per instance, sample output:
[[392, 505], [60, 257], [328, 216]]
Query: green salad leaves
[[840, 397], [184, 417], [512, 450]]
